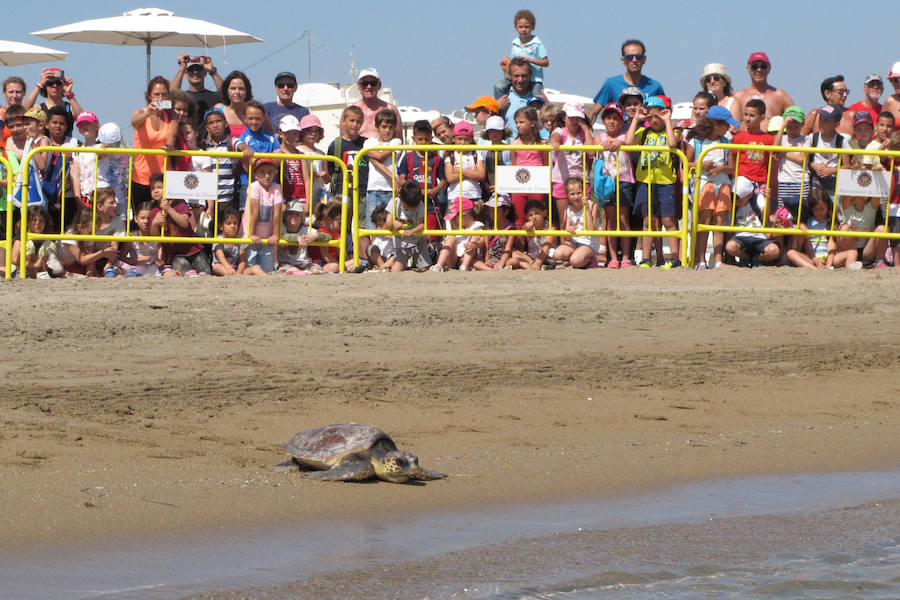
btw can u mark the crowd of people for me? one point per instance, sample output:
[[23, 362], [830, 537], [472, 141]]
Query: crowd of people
[[270, 201]]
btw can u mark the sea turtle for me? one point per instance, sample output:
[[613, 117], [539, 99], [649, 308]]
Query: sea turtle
[[354, 452]]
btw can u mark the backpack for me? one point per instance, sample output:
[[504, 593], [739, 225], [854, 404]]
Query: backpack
[[828, 183], [36, 195]]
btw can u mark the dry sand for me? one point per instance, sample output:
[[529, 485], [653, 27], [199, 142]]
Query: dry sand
[[136, 407]]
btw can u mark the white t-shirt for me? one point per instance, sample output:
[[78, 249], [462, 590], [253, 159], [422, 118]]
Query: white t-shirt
[[462, 240], [377, 181], [789, 171], [829, 159], [470, 188]]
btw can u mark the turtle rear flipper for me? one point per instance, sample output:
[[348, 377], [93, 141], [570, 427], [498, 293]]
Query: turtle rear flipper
[[350, 470], [426, 475]]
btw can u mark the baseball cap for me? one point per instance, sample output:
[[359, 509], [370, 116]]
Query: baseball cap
[[495, 123], [499, 200], [630, 91], [36, 113], [667, 102], [574, 109], [743, 187], [775, 124], [485, 102], [654, 101], [720, 113], [536, 101], [285, 75], [310, 121], [263, 161], [370, 72], [214, 110], [456, 206], [862, 116], [109, 133], [462, 128], [895, 70], [796, 113], [759, 56], [298, 206], [831, 112], [289, 123], [872, 78], [612, 107], [87, 117]]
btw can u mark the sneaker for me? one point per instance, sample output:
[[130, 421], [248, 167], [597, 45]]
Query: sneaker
[[190, 273], [42, 275], [110, 272], [718, 265], [700, 266], [856, 265], [879, 265], [132, 273], [54, 265], [671, 264], [645, 264], [436, 268], [627, 263], [464, 268], [613, 264]]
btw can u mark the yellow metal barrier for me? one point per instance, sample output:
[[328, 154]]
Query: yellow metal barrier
[[25, 235], [697, 227], [589, 150], [7, 243]]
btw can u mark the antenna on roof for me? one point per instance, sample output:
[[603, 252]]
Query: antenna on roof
[[354, 72]]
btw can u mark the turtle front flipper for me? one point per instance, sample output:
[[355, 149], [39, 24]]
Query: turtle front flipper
[[350, 470], [426, 475]]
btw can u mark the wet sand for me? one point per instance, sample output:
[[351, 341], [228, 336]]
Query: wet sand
[[150, 408]]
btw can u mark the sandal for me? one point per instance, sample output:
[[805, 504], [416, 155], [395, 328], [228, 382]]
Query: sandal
[[613, 264]]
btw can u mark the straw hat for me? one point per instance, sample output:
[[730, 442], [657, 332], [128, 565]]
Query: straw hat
[[714, 69]]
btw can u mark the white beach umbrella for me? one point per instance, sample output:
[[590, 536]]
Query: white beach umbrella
[[13, 54], [146, 27]]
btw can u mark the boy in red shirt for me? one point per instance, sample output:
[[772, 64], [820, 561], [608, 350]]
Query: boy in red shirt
[[753, 164]]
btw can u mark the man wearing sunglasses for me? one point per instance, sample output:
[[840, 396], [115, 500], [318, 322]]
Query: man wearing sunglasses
[[776, 100], [634, 55], [285, 86], [196, 68], [369, 84]]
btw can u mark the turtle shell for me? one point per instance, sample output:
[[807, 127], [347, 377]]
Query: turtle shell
[[324, 447]]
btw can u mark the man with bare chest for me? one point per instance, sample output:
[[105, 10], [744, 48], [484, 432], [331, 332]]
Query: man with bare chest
[[776, 99]]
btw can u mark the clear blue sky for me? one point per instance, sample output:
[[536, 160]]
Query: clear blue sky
[[442, 55]]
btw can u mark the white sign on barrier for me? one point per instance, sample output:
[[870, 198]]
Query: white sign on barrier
[[191, 185], [523, 180], [852, 182]]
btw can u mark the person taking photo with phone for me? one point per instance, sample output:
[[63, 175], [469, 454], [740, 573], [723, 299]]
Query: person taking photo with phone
[[155, 127]]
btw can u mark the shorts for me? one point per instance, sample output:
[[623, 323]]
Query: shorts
[[559, 190], [264, 256], [626, 197], [374, 198], [414, 256], [661, 197], [241, 196], [753, 246], [716, 201]]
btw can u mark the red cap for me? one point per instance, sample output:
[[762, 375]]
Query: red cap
[[667, 101], [759, 56], [614, 107], [263, 161]]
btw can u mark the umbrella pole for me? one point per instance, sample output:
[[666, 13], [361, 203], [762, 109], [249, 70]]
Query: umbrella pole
[[148, 42]]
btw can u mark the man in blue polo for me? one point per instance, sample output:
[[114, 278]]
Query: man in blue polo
[[519, 94], [634, 55]]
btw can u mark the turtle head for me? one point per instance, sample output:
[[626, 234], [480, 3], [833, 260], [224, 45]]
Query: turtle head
[[397, 466]]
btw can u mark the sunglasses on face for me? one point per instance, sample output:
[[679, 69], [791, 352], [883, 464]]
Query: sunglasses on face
[[286, 84], [631, 57], [761, 66], [54, 83], [714, 77], [841, 91], [369, 83]]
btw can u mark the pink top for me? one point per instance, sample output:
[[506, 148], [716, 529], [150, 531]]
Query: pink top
[[236, 130], [626, 171], [567, 163], [266, 199], [530, 158]]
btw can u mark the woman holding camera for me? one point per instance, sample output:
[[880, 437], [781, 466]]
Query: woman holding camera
[[57, 89], [155, 128]]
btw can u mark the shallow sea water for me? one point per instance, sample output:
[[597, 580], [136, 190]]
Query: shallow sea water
[[798, 536]]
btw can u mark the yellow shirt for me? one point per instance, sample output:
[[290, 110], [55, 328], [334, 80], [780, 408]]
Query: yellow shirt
[[655, 167]]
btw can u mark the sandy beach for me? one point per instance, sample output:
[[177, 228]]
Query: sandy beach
[[147, 407]]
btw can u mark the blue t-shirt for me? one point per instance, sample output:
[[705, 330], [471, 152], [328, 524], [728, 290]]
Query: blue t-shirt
[[533, 49], [614, 86], [261, 141], [276, 111], [515, 103]]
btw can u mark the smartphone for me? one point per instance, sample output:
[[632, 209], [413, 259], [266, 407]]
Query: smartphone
[[195, 59], [162, 104]]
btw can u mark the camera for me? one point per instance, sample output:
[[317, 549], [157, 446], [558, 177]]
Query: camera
[[162, 104]]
